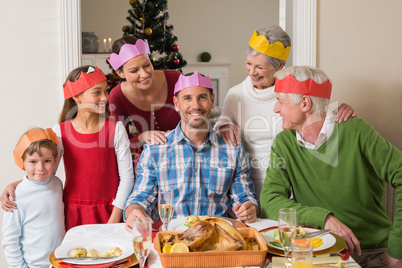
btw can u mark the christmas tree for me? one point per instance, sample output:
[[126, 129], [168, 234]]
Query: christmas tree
[[148, 20]]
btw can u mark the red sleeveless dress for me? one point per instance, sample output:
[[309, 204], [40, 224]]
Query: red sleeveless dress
[[92, 176]]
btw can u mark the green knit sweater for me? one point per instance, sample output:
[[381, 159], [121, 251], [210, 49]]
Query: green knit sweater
[[344, 176]]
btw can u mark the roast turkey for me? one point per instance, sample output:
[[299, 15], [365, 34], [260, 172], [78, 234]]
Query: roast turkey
[[212, 235]]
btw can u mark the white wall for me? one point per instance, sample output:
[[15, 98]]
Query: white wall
[[30, 75], [362, 53]]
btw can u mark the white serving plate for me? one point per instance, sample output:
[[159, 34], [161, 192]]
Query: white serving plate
[[98, 243], [328, 240]]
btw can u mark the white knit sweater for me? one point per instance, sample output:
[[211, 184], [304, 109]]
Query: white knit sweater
[[251, 110]]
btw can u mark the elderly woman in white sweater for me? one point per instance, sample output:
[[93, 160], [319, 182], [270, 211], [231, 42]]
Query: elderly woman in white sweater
[[247, 112]]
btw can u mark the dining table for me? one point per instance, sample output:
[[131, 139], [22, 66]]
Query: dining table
[[118, 231]]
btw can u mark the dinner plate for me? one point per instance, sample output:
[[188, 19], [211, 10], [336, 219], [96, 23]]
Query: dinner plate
[[178, 224], [328, 240], [100, 244]]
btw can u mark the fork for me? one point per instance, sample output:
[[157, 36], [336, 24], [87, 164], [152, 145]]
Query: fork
[[116, 264], [314, 234]]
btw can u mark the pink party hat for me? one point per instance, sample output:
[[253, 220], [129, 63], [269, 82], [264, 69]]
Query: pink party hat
[[127, 52], [194, 80]]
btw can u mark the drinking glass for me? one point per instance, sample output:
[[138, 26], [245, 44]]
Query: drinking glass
[[287, 230], [142, 239], [302, 255], [165, 207]]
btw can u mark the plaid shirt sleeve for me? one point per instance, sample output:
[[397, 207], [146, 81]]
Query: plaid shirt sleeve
[[145, 191], [242, 187]]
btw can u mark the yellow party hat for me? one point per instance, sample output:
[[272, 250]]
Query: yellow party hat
[[276, 50]]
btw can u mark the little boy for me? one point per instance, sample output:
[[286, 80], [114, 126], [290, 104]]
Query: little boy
[[36, 229]]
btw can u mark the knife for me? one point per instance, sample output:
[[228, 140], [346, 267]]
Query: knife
[[314, 234], [84, 258], [334, 264]]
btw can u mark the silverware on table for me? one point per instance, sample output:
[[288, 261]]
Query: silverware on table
[[117, 264], [333, 263], [313, 234], [83, 258], [265, 264]]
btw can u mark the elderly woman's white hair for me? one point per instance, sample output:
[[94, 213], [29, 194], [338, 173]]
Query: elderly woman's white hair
[[302, 73], [273, 34]]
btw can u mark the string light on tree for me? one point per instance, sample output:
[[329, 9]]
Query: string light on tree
[[159, 15]]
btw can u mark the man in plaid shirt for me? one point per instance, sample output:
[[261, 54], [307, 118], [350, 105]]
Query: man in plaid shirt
[[208, 176]]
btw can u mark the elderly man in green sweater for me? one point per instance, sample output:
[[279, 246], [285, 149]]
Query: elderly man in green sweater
[[336, 171]]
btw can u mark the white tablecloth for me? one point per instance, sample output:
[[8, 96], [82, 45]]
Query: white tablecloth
[[117, 230]]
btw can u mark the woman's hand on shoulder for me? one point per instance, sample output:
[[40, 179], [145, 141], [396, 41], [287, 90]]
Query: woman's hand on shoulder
[[152, 137], [344, 112], [8, 196], [230, 134]]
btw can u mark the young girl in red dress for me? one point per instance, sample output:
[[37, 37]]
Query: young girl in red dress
[[96, 150]]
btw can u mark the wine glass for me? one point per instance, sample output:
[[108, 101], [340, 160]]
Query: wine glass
[[287, 230], [142, 239], [165, 207]]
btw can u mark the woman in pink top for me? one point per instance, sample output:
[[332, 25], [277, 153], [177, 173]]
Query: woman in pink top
[[144, 97]]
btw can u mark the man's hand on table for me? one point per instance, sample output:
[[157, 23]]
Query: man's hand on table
[[246, 212], [134, 212], [337, 227], [389, 261]]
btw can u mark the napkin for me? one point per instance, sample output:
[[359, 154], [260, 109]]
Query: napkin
[[279, 262], [344, 254]]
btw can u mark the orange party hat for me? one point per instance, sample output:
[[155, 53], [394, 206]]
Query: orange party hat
[[30, 137]]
